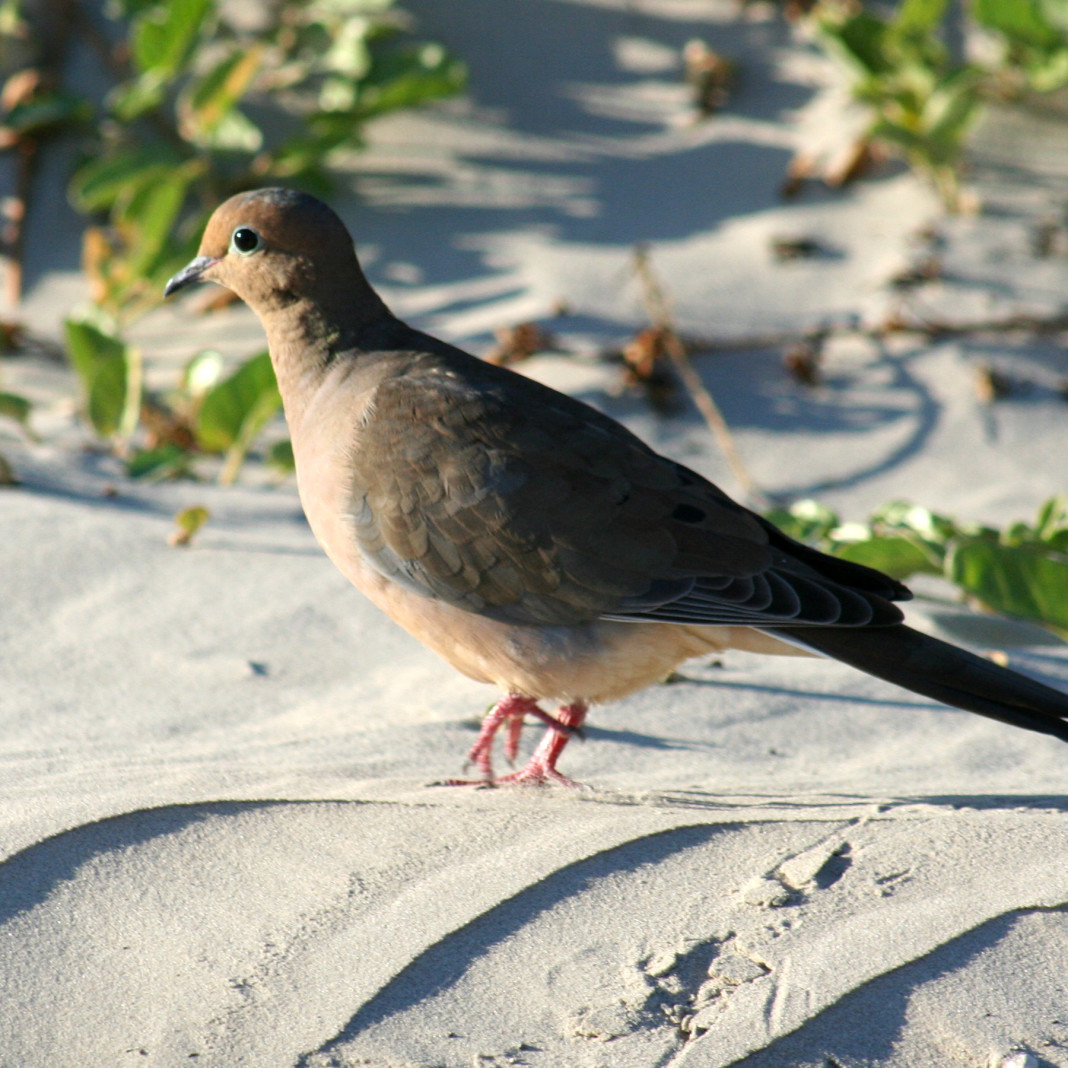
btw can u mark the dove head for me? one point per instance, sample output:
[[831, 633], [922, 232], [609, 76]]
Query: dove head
[[275, 248]]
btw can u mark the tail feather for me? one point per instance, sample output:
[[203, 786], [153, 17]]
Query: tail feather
[[945, 672]]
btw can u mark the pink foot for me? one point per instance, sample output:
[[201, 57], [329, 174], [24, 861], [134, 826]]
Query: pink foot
[[541, 768], [510, 710]]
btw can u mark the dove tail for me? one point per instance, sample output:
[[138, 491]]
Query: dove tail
[[937, 669]]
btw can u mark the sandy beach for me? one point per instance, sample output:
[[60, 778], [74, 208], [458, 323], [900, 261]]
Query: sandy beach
[[223, 838]]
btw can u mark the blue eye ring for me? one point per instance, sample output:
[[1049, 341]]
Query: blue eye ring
[[244, 241]]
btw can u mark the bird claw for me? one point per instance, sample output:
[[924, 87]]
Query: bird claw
[[536, 773], [541, 768]]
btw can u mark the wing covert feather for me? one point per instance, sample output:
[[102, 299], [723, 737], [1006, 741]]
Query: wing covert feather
[[495, 494]]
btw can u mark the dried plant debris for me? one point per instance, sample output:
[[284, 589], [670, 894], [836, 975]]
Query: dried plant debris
[[802, 361], [785, 248], [710, 76], [795, 10], [7, 473], [792, 10], [165, 426], [658, 309], [647, 367], [1047, 239], [12, 336], [834, 169], [927, 269], [31, 107], [993, 385], [518, 343]]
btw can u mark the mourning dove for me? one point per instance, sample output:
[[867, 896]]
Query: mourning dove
[[530, 540]]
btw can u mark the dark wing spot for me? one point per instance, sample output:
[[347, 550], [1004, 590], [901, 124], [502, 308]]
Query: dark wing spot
[[688, 513]]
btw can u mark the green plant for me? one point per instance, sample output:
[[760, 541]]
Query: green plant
[[205, 107], [187, 523], [924, 100], [202, 106], [1034, 40], [1020, 571], [18, 408]]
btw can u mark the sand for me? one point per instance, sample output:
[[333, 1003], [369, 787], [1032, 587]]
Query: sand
[[223, 843]]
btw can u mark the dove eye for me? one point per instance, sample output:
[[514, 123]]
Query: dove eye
[[245, 240]]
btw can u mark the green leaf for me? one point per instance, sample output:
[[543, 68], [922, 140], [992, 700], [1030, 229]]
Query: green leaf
[[110, 372], [1021, 21], [227, 407], [135, 98], [805, 520], [236, 132], [12, 406], [1021, 580], [280, 456], [896, 556], [406, 78], [189, 521], [903, 136], [349, 53], [860, 39], [933, 529], [166, 461], [950, 110], [201, 373], [211, 100], [153, 211], [1052, 518], [12, 23], [236, 410], [43, 112], [919, 16], [1017, 533], [96, 185], [163, 35], [1055, 14], [1049, 73]]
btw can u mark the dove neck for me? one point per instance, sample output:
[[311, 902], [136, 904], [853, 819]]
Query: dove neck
[[308, 337]]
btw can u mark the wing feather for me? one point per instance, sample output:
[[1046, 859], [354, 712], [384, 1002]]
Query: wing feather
[[488, 491]]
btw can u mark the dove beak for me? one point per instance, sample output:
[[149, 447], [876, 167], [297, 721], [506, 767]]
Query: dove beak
[[190, 273]]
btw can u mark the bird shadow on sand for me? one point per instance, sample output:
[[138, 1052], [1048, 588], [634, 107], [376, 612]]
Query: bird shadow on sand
[[850, 699]]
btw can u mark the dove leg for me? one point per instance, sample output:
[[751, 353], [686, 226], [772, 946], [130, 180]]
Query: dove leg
[[541, 768], [515, 728], [509, 709]]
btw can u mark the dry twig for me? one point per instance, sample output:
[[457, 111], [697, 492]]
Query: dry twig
[[657, 308]]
